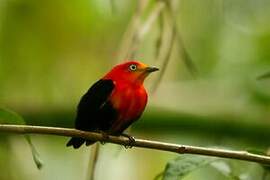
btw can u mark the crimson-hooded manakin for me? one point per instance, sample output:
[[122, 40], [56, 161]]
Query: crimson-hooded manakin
[[114, 102]]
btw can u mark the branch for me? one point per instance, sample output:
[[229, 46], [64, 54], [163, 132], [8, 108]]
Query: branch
[[129, 37], [93, 159], [167, 56], [176, 148]]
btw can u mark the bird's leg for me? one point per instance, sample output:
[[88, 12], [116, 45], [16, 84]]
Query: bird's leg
[[131, 140], [105, 136]]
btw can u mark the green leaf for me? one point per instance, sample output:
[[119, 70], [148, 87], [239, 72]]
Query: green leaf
[[182, 166], [186, 165], [264, 76], [159, 176], [224, 168], [257, 151], [35, 154], [10, 117]]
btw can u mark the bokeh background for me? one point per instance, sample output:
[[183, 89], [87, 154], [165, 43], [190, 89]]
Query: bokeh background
[[52, 51]]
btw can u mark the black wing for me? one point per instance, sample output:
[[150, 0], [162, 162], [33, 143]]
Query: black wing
[[95, 111]]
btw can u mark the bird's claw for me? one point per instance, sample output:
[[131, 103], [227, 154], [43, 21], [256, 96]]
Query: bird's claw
[[131, 141], [105, 136], [102, 142]]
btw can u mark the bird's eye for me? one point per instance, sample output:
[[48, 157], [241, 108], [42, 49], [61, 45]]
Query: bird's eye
[[132, 67]]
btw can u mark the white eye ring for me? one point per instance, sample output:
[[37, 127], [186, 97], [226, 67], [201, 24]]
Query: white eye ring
[[132, 67]]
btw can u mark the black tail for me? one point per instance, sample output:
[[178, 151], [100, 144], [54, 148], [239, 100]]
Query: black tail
[[75, 142], [88, 143]]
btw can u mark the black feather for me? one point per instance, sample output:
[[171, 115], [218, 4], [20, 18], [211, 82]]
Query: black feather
[[95, 111], [75, 142]]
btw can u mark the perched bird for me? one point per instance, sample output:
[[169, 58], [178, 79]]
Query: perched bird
[[114, 102]]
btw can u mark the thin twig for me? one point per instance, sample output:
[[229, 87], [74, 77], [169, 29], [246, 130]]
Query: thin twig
[[131, 32], [166, 58], [159, 40], [264, 76], [176, 148], [113, 6], [137, 30], [145, 28], [93, 159], [151, 19], [182, 49], [185, 56]]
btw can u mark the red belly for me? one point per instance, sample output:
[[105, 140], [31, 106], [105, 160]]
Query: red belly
[[130, 103]]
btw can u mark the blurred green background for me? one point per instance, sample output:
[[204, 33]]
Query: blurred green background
[[52, 51]]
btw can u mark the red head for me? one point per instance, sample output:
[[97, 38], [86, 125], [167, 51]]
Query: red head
[[130, 72]]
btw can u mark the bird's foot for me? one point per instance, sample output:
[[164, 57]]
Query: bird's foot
[[105, 136], [131, 141]]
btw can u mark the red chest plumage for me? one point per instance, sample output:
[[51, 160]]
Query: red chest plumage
[[114, 102], [130, 101]]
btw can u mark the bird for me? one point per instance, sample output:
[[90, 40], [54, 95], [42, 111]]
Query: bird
[[114, 102]]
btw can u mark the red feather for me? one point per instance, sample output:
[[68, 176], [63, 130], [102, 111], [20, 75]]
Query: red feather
[[114, 102]]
